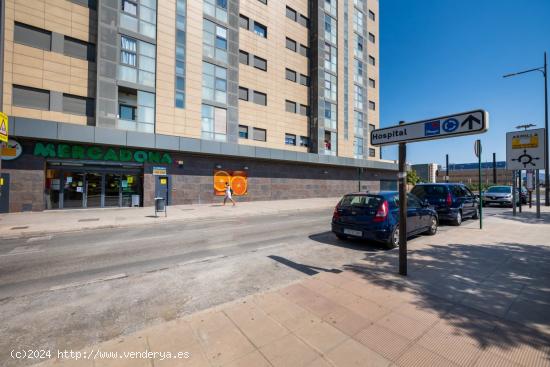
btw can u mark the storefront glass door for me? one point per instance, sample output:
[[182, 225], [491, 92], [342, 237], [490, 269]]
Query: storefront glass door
[[73, 190], [93, 190], [112, 189], [131, 185]]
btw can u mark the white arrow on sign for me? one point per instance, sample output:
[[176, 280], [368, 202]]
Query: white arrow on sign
[[465, 123]]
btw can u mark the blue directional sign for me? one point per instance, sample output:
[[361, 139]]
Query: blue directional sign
[[432, 128], [450, 125]]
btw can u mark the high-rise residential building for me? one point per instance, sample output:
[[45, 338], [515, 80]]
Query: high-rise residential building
[[116, 102]]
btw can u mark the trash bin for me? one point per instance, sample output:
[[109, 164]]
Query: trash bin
[[159, 204], [135, 200]]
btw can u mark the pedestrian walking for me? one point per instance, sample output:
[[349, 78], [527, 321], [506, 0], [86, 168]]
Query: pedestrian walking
[[228, 194]]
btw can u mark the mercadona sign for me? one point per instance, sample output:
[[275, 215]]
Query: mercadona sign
[[99, 153]]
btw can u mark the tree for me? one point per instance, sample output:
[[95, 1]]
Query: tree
[[412, 177]]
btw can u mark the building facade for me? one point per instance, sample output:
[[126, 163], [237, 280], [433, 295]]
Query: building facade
[[427, 171], [468, 173], [115, 102]]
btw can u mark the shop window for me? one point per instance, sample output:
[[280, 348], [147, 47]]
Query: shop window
[[32, 36], [243, 132], [259, 134], [31, 97], [290, 139]]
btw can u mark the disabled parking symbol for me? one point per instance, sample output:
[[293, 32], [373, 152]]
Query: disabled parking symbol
[[450, 125]]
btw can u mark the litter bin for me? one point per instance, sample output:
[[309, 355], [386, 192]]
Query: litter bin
[[135, 200], [160, 205]]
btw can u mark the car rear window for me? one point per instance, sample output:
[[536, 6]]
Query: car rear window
[[369, 201], [424, 191]]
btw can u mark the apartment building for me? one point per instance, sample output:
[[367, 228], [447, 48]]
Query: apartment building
[[116, 102]]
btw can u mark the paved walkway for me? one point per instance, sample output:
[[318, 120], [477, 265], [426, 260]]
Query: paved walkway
[[472, 298], [54, 221]]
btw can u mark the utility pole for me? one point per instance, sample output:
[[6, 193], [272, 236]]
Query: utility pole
[[446, 168], [494, 168], [402, 207]]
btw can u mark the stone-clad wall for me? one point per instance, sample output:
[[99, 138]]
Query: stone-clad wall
[[26, 190]]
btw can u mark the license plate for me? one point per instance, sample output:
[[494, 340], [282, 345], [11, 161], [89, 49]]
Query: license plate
[[353, 232]]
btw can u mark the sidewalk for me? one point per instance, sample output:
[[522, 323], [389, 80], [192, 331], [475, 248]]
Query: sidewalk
[[472, 298], [15, 225]]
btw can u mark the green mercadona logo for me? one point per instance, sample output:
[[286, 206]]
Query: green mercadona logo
[[98, 153]]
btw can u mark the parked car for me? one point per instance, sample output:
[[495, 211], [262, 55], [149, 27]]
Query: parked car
[[500, 195], [452, 201], [375, 216]]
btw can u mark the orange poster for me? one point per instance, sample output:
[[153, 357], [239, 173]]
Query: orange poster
[[238, 181]]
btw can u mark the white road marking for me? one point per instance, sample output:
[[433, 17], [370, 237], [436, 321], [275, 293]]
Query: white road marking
[[77, 284], [22, 250], [42, 238]]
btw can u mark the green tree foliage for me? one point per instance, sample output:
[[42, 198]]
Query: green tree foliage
[[412, 177]]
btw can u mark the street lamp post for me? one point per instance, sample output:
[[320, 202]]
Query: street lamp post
[[544, 72]]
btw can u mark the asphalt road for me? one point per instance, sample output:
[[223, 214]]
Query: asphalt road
[[75, 289]]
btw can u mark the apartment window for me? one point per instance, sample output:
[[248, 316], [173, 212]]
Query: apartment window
[[243, 93], [371, 15], [291, 44], [303, 20], [330, 58], [372, 105], [129, 7], [303, 50], [304, 110], [331, 142], [304, 141], [77, 105], [291, 13], [243, 57], [260, 98], [372, 152], [304, 80], [128, 52], [214, 123], [358, 3], [358, 97], [330, 7], [330, 86], [290, 75], [244, 21], [372, 83], [139, 17], [372, 38], [358, 146], [358, 71], [290, 139], [359, 122], [371, 128], [214, 83], [31, 97], [87, 3], [127, 112], [290, 106], [214, 43], [260, 63], [180, 53], [358, 25], [260, 29], [372, 60], [359, 43], [330, 29], [216, 9], [263, 1], [259, 134], [330, 115], [243, 132], [31, 36], [79, 49]]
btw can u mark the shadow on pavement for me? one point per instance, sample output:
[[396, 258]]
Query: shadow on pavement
[[526, 217], [306, 269], [498, 295], [328, 238]]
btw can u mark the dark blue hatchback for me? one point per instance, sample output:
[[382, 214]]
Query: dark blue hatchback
[[375, 216]]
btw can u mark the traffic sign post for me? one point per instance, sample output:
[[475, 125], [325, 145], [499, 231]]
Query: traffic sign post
[[477, 150], [3, 139], [465, 123]]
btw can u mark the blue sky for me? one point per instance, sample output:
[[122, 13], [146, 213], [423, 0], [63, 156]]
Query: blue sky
[[439, 57]]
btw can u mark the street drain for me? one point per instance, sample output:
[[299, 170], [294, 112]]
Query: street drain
[[22, 227], [89, 220]]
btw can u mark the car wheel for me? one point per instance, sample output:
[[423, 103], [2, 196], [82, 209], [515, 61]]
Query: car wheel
[[458, 220], [433, 226], [341, 236], [393, 241]]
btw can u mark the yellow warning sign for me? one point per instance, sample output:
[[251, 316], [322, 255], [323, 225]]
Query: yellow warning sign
[[3, 127], [163, 181], [525, 140]]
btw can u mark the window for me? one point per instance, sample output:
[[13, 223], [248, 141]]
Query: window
[[139, 17], [260, 29], [129, 7], [243, 132], [243, 93], [214, 43], [128, 52], [371, 15], [330, 7], [214, 83], [291, 44], [330, 143], [290, 139], [372, 152], [330, 29], [304, 110], [372, 105], [291, 13], [290, 75], [31, 97], [371, 128], [77, 105], [263, 1], [372, 83], [214, 123], [243, 57], [359, 122], [79, 49], [126, 112], [358, 147], [290, 106], [359, 3], [359, 42], [372, 38], [180, 53], [358, 25], [330, 115], [260, 98], [87, 3], [304, 80], [372, 61], [330, 86], [216, 9], [358, 101], [259, 134], [330, 58], [303, 20], [304, 51], [358, 71], [260, 63], [243, 22], [31, 36], [304, 141]]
